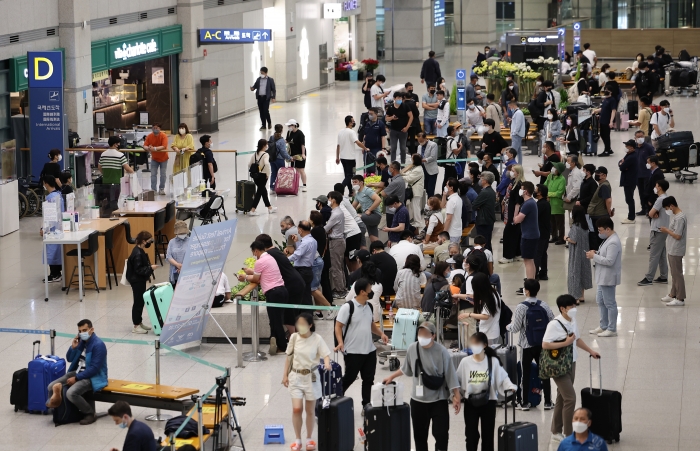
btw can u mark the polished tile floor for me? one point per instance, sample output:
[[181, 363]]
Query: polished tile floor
[[658, 409]]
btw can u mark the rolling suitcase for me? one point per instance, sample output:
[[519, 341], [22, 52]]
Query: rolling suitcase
[[633, 108], [334, 381], [535, 395], [245, 193], [517, 436], [606, 406], [387, 428], [157, 299], [591, 143], [43, 370], [20, 389], [336, 423], [622, 121], [67, 413], [287, 183], [508, 356], [462, 350], [405, 329]]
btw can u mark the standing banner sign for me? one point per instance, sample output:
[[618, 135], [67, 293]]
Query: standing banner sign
[[206, 256], [46, 128]]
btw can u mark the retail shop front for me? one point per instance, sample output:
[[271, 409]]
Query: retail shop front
[[135, 80]]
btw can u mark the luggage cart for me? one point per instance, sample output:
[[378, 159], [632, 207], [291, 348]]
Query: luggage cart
[[682, 78], [686, 174]]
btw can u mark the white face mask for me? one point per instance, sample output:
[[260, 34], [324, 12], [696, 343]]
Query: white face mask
[[477, 348], [329, 203], [667, 110], [550, 117], [648, 167], [554, 171], [521, 192], [263, 75], [424, 341], [572, 313], [478, 91], [655, 190], [511, 87], [182, 236], [579, 427], [60, 157], [669, 212], [512, 175], [182, 131], [640, 140], [506, 157], [355, 187], [471, 107], [445, 190]]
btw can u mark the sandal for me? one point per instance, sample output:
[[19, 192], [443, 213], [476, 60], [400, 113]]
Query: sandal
[[310, 445], [296, 446]]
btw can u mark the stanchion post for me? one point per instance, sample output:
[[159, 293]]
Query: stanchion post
[[230, 412], [199, 422], [52, 335], [256, 355], [239, 334], [158, 416]]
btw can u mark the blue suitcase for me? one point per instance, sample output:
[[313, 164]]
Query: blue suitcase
[[405, 329], [535, 395], [43, 370], [157, 299]]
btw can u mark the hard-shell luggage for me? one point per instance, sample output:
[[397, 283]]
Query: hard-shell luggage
[[245, 193], [43, 370], [606, 406], [535, 395], [462, 350], [675, 140], [336, 423], [67, 413], [387, 428], [20, 389], [405, 329], [591, 143], [633, 108], [517, 436], [157, 299], [287, 182], [622, 121], [508, 356]]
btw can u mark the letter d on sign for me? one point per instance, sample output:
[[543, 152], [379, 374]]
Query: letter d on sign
[[37, 74]]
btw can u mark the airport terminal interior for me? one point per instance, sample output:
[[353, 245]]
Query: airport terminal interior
[[653, 361]]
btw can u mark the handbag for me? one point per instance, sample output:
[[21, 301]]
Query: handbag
[[123, 280], [557, 362], [481, 399], [432, 382], [409, 190]]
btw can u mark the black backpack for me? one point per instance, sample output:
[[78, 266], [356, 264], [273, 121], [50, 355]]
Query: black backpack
[[683, 55], [199, 156], [272, 148], [254, 169], [347, 326]]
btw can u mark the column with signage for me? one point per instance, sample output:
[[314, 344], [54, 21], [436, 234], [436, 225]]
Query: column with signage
[[461, 77], [561, 32], [46, 122], [577, 37]]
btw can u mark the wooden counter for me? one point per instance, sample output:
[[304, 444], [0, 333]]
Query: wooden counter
[[142, 218]]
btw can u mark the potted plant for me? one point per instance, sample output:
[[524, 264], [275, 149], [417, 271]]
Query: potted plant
[[249, 263], [453, 103], [355, 68], [341, 52], [370, 64], [341, 72]]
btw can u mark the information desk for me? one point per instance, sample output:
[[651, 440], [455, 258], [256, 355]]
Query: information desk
[[142, 218], [76, 239]]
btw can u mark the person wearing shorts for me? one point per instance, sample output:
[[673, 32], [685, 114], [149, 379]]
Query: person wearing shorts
[[302, 378], [530, 231], [369, 201]]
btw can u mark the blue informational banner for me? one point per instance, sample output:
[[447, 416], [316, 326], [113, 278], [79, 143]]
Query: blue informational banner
[[577, 37], [206, 256], [461, 76], [233, 35], [439, 13], [45, 73]]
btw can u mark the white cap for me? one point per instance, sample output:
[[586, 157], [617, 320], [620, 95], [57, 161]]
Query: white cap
[[292, 122]]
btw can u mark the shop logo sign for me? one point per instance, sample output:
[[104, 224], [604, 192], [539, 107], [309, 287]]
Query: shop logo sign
[[127, 51]]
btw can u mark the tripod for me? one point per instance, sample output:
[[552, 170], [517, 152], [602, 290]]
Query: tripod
[[224, 396]]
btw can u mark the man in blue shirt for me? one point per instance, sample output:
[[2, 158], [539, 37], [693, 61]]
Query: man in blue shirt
[[400, 220], [303, 258], [528, 220], [93, 378], [140, 436], [582, 439], [607, 112], [373, 134], [517, 129]]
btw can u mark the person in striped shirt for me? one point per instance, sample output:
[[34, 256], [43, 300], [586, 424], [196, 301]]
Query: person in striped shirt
[[112, 162]]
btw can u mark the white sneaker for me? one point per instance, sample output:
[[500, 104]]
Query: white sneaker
[[144, 327], [596, 331], [303, 188], [667, 298], [161, 192], [627, 221], [138, 330], [505, 261], [675, 303], [254, 213], [272, 210], [518, 258], [331, 314], [607, 333], [558, 437]]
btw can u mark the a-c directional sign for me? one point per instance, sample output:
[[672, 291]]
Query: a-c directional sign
[[233, 35]]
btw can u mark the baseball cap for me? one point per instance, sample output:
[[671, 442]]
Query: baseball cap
[[630, 143], [602, 170], [322, 198], [428, 326], [360, 254], [291, 122]]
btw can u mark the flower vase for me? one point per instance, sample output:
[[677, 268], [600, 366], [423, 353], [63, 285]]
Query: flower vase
[[353, 75], [547, 74], [494, 86]]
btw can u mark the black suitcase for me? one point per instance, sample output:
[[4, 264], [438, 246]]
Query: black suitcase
[[633, 108], [606, 406], [388, 428], [591, 144], [336, 425], [517, 436], [19, 396], [245, 192], [675, 140], [67, 413]]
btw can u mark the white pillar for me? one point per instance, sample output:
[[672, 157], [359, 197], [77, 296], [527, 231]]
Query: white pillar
[[190, 14], [367, 30], [283, 68], [475, 22], [412, 29]]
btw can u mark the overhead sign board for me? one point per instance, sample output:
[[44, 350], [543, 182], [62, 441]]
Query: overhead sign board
[[439, 13], [332, 10], [233, 35], [351, 8]]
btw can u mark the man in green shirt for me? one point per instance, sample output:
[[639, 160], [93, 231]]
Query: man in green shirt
[[112, 162]]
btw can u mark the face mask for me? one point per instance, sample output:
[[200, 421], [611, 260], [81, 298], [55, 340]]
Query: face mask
[[669, 212], [649, 167], [182, 236], [640, 141], [506, 157], [579, 427], [60, 157], [655, 190], [568, 122], [572, 313], [445, 190], [156, 132], [550, 117], [512, 174], [372, 117], [355, 187], [432, 92], [303, 330], [291, 129], [182, 131], [597, 178], [123, 424], [410, 91], [478, 91], [666, 110], [263, 75], [282, 231], [471, 107], [521, 192], [84, 335], [477, 349], [554, 171], [398, 102], [538, 83], [602, 236], [329, 203], [511, 87], [148, 245], [424, 341], [370, 295], [643, 71]]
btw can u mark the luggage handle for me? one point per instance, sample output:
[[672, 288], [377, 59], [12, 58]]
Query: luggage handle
[[505, 407], [38, 344], [600, 375]]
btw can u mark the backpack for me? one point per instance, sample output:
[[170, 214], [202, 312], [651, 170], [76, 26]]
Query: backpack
[[651, 126], [536, 320], [683, 55], [573, 91], [272, 148], [505, 318], [347, 326], [199, 156], [254, 169]]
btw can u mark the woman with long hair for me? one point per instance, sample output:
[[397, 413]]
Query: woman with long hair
[[579, 278], [434, 223], [280, 150], [512, 202], [139, 270], [369, 271], [570, 136], [481, 373], [408, 282], [183, 145], [262, 159], [53, 251], [297, 146], [487, 307], [302, 378]]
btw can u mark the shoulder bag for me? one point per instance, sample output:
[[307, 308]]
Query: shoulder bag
[[432, 382], [557, 362], [481, 399]]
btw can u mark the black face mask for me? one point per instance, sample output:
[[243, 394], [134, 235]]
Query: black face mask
[[597, 178], [432, 92], [148, 244], [319, 206], [370, 295]]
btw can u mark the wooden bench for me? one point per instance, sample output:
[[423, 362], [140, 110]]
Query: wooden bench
[[147, 395], [464, 242]]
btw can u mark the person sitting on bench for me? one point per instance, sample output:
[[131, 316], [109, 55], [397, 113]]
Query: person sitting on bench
[[140, 436], [93, 378]]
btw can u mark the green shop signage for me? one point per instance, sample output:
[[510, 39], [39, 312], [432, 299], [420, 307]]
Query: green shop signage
[[124, 50]]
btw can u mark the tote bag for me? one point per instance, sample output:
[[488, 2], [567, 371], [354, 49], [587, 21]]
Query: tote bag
[[123, 280]]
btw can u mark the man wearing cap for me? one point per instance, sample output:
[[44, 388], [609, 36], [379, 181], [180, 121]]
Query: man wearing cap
[[323, 206], [628, 177], [177, 248], [601, 203], [265, 92], [304, 256], [430, 404], [405, 247]]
